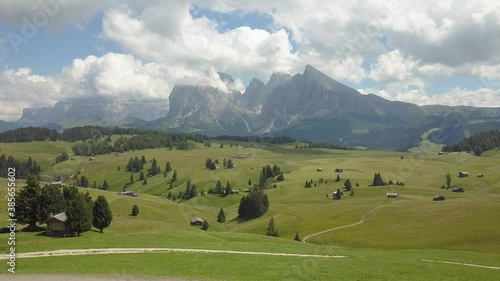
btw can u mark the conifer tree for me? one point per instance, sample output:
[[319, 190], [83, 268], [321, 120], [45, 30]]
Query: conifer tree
[[102, 215], [222, 216], [27, 203]]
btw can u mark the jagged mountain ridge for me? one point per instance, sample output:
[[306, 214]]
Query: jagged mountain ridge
[[310, 106]]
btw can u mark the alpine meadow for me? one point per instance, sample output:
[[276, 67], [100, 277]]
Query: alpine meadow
[[250, 140]]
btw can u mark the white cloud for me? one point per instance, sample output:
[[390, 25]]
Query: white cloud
[[20, 88], [50, 14], [412, 44], [118, 76], [196, 42], [479, 98]]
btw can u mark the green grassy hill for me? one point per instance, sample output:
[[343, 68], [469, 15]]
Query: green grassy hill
[[392, 240]]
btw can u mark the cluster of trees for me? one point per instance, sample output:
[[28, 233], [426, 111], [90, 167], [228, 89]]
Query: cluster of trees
[[273, 140], [23, 168], [220, 189], [35, 203], [136, 164], [477, 143], [63, 157], [82, 181], [91, 148], [210, 164], [29, 134], [181, 145], [324, 145], [268, 172], [228, 164], [253, 205], [308, 184], [214, 164], [377, 180], [400, 183], [96, 140], [191, 190]]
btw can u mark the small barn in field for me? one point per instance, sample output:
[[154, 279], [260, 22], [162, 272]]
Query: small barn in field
[[480, 175], [438, 198], [319, 170], [56, 225], [457, 189], [338, 170], [196, 221], [58, 184], [392, 195], [463, 174]]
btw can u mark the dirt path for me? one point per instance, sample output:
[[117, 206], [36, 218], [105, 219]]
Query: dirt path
[[465, 264], [79, 252], [367, 216]]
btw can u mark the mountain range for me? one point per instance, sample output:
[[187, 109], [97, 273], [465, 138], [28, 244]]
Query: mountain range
[[308, 106]]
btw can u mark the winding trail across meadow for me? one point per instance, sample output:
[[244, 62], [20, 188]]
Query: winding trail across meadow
[[365, 217]]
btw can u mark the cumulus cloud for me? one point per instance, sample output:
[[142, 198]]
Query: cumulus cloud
[[408, 46], [117, 76], [482, 97], [20, 88], [52, 15], [197, 43]]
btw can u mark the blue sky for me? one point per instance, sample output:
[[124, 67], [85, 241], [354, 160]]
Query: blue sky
[[400, 52]]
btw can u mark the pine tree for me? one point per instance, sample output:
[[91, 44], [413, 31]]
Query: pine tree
[[187, 193], [348, 185], [250, 182], [204, 225], [27, 203], [135, 210], [230, 164], [271, 228], [224, 163], [154, 168], [145, 182], [193, 192], [50, 201], [448, 181], [218, 187], [69, 193], [338, 178], [141, 176], [222, 216], [143, 160], [297, 237], [229, 189], [105, 185], [131, 178], [174, 176], [102, 215], [79, 215], [221, 145], [168, 167]]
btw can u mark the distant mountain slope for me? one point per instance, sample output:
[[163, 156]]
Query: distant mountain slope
[[309, 106]]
